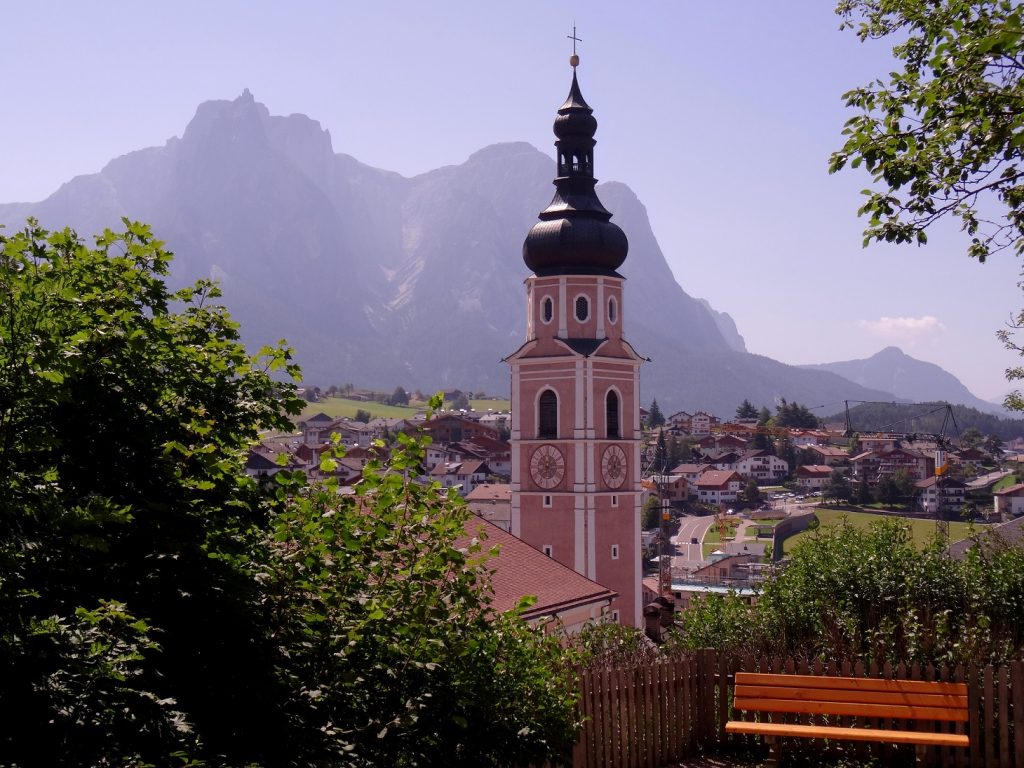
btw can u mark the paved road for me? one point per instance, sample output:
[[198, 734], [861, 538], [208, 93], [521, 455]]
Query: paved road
[[691, 528]]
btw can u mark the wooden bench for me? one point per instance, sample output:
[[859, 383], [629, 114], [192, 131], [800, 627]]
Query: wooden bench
[[849, 697]]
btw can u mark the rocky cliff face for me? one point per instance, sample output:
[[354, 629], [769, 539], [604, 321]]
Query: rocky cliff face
[[382, 280]]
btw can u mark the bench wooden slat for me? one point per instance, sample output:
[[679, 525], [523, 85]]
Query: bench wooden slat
[[862, 697], [848, 734], [851, 683], [822, 695], [949, 714]]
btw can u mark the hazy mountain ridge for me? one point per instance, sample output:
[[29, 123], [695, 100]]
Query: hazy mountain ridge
[[893, 370], [380, 279]]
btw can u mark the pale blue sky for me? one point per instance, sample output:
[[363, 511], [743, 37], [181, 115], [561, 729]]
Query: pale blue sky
[[720, 115]]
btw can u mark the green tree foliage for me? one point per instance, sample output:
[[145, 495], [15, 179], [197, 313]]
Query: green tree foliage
[[838, 486], [362, 415], [869, 593], [746, 410], [863, 495], [651, 513], [655, 418], [661, 453], [127, 620], [971, 438], [751, 492], [388, 643], [611, 645], [460, 403], [942, 137], [399, 397], [157, 609], [794, 415]]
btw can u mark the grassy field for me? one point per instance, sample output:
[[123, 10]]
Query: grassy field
[[920, 530], [338, 407], [1006, 482]]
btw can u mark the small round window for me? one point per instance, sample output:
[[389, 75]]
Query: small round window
[[582, 308], [613, 310], [547, 309]]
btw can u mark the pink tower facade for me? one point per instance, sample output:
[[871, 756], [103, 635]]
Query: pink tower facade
[[575, 383]]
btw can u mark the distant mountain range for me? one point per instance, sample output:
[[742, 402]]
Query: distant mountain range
[[381, 280], [892, 370]]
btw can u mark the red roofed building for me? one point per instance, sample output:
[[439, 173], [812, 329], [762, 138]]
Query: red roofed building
[[520, 570], [452, 429], [718, 487], [1010, 501], [492, 502], [813, 477]]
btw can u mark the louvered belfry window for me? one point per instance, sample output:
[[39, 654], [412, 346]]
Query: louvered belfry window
[[582, 308], [611, 407], [547, 416]]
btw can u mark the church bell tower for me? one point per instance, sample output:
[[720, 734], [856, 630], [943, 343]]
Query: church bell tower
[[575, 381]]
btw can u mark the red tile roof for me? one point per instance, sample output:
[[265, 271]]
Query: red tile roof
[[491, 492], [717, 479], [521, 570]]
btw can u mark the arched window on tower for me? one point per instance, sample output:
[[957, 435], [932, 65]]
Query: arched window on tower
[[611, 414], [547, 415], [547, 310]]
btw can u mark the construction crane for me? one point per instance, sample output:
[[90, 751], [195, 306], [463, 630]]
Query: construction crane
[[941, 443]]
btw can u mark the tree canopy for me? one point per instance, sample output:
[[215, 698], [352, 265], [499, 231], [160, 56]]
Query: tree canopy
[[746, 410], [850, 592], [655, 418], [942, 137]]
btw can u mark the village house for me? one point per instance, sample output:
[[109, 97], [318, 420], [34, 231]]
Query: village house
[[669, 487], [937, 496], [878, 464], [462, 475], [497, 421], [878, 442], [812, 477], [561, 593], [701, 423], [381, 428], [680, 420], [317, 430], [497, 453], [690, 473], [829, 455], [722, 443], [492, 502], [450, 428], [719, 487], [1010, 501], [801, 438], [762, 466], [723, 460]]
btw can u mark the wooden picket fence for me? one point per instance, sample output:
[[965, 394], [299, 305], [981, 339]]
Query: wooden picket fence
[[655, 715]]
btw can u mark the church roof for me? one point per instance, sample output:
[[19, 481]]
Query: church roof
[[575, 234]]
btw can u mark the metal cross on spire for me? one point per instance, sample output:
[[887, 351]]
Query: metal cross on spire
[[575, 60]]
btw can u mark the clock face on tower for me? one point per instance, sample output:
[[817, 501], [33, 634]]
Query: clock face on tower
[[547, 467], [613, 466]]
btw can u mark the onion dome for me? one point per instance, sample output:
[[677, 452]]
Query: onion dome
[[575, 234]]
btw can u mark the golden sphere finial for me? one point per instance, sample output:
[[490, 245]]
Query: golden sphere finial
[[574, 61]]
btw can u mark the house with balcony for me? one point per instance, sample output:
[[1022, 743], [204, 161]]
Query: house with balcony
[[719, 487]]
